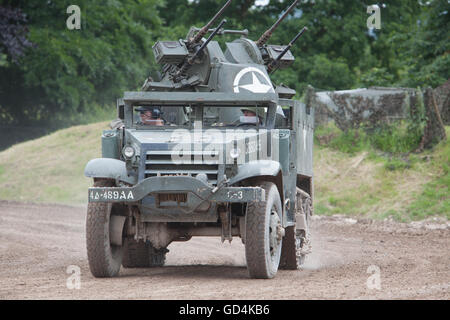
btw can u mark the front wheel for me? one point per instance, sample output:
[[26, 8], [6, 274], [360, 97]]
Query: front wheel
[[104, 257], [264, 233]]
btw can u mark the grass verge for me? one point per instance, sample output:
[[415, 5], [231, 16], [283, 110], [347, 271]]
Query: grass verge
[[50, 169], [372, 176]]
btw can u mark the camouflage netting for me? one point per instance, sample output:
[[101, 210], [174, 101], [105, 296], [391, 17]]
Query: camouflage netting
[[376, 106], [351, 108], [434, 130], [442, 96]]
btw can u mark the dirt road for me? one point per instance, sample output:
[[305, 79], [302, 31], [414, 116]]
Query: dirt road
[[352, 259]]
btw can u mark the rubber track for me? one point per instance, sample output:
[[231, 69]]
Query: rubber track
[[289, 259], [138, 254], [135, 254], [157, 257]]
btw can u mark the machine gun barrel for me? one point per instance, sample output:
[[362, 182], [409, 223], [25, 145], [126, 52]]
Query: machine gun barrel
[[203, 46], [266, 35], [190, 61], [227, 31], [273, 64], [204, 30]]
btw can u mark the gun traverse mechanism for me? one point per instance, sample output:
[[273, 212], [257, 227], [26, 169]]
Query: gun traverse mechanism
[[273, 65], [266, 35], [190, 61], [189, 50]]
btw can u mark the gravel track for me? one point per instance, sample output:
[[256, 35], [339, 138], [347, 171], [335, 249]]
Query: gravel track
[[39, 242]]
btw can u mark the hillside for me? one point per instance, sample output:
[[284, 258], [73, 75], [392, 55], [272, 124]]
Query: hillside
[[50, 170], [367, 185]]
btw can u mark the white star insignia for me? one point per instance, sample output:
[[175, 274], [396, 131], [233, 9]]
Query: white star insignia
[[256, 86]]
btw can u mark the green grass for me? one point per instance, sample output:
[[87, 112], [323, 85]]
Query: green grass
[[397, 164], [393, 214], [435, 196], [50, 169], [353, 177], [397, 138]]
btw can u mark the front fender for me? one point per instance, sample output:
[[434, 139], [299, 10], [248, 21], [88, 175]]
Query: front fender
[[109, 169], [268, 170], [256, 168]]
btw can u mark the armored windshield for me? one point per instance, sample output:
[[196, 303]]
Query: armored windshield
[[154, 117]]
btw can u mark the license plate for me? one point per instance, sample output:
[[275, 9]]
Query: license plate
[[105, 195]]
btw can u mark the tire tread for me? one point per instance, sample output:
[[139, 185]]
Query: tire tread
[[100, 263], [255, 236]]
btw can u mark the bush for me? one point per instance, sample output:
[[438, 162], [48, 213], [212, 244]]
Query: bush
[[396, 138], [399, 137]]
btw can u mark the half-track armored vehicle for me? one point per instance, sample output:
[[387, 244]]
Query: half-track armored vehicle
[[213, 148]]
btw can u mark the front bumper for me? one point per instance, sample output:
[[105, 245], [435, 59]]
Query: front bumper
[[175, 185]]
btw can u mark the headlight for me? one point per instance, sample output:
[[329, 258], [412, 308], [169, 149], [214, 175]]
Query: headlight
[[128, 152]]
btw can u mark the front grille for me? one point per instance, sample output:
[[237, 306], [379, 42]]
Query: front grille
[[177, 197], [161, 163]]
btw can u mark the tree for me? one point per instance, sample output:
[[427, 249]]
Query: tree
[[70, 71], [425, 49]]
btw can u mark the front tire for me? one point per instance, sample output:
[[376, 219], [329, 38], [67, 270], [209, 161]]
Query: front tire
[[264, 233], [104, 258]]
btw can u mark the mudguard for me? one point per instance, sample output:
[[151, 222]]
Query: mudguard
[[265, 169], [108, 168], [256, 168]]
